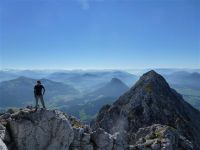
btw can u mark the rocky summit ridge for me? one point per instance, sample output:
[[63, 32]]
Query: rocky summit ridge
[[150, 116], [150, 101]]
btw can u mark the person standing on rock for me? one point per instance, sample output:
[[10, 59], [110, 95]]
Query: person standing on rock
[[39, 91]]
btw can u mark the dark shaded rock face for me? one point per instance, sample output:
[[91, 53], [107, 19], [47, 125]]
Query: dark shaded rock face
[[150, 101]]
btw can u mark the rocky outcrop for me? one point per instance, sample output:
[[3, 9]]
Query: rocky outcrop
[[39, 130], [158, 137], [102, 139], [48, 130], [151, 101], [2, 145], [82, 139], [2, 137], [2, 131]]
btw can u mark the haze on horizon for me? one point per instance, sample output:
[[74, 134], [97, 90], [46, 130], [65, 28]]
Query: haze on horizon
[[99, 34]]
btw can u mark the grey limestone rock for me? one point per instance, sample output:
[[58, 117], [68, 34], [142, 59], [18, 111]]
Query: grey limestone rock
[[102, 139], [41, 130], [82, 140], [2, 131], [3, 145]]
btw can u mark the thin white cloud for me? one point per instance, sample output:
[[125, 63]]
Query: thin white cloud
[[85, 4]]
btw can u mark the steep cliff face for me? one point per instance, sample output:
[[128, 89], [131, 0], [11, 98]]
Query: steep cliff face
[[150, 116], [151, 101]]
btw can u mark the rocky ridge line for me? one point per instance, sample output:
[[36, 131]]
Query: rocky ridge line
[[150, 101], [52, 129]]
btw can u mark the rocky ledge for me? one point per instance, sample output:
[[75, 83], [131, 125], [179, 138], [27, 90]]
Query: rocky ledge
[[54, 130]]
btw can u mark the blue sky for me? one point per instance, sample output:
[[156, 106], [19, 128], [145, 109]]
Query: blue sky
[[99, 34]]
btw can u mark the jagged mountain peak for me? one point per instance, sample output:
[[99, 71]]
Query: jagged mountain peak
[[114, 88], [150, 101], [151, 82], [116, 80], [150, 85], [152, 76], [151, 73]]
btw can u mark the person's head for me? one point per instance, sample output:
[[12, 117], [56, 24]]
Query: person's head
[[38, 82]]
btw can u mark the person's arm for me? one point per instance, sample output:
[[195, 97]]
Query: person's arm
[[43, 90]]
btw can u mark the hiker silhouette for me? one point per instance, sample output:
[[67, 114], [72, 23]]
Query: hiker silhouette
[[39, 91]]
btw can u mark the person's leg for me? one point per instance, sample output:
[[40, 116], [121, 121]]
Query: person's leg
[[36, 102], [42, 101]]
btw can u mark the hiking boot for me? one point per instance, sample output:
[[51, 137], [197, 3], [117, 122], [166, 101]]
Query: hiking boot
[[36, 108]]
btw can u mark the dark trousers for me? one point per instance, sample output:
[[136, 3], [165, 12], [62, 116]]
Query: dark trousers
[[37, 97]]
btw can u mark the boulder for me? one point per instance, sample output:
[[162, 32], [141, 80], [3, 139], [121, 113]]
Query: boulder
[[120, 141], [44, 129], [102, 139], [81, 140]]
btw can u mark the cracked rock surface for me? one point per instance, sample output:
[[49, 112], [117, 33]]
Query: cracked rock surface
[[41, 130]]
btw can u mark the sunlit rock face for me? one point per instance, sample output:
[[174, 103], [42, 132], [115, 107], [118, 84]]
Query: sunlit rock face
[[2, 145], [40, 130]]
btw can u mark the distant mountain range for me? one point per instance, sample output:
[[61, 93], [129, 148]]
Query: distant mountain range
[[84, 81], [114, 88], [87, 106], [13, 74], [82, 87], [19, 92], [184, 79], [87, 81], [4, 76]]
